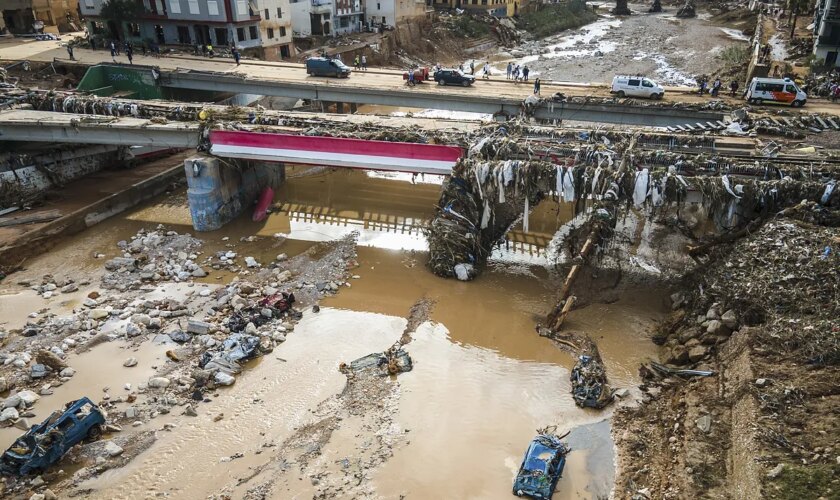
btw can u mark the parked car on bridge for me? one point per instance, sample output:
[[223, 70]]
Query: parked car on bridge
[[636, 86], [784, 91], [542, 466], [453, 77], [322, 66], [46, 443]]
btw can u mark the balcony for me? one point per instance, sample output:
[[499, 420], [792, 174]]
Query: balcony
[[321, 6]]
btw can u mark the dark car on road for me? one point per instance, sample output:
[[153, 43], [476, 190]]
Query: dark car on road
[[541, 468], [322, 66], [453, 77]]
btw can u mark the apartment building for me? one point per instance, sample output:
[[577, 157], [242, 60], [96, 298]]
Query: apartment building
[[258, 27], [391, 12], [827, 32], [498, 8], [48, 16]]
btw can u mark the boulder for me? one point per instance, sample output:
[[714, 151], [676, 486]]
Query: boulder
[[141, 319], [730, 319], [180, 336], [98, 313], [704, 423], [9, 414], [697, 353], [198, 327], [50, 359], [678, 355], [112, 449], [128, 363], [4, 384], [251, 262], [38, 370], [67, 372], [223, 378], [159, 382], [199, 273]]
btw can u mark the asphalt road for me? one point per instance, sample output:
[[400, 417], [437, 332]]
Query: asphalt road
[[376, 78]]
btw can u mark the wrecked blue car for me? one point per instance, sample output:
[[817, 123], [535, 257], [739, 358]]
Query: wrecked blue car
[[45, 444], [541, 468]]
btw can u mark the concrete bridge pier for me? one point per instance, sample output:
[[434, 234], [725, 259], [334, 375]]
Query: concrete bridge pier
[[218, 191]]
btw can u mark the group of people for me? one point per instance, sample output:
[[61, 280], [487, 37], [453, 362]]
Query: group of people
[[834, 91], [515, 72], [360, 63], [717, 86]]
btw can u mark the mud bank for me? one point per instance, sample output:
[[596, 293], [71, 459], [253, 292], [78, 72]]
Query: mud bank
[[673, 51], [483, 380]]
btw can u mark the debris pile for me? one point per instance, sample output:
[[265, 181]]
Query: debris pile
[[687, 10]]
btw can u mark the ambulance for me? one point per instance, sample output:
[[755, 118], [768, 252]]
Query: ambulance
[[783, 91]]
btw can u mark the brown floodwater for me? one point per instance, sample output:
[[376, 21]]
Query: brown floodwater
[[484, 381]]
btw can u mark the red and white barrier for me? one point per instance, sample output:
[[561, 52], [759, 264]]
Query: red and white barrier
[[337, 152]]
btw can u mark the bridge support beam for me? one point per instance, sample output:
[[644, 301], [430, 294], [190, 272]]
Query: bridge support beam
[[218, 192]]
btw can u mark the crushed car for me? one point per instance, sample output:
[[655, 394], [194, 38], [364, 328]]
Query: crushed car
[[542, 466], [391, 362], [45, 444]]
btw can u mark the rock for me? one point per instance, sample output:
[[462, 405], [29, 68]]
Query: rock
[[284, 276], [50, 359], [697, 353], [198, 327], [251, 262], [251, 329], [678, 355], [199, 273], [190, 411], [28, 397], [38, 482], [93, 295], [712, 313], [180, 336], [677, 300], [159, 382], [4, 384], [130, 362], [316, 308], [12, 401], [204, 292], [729, 319], [173, 356], [279, 337], [141, 319], [131, 412], [155, 324], [9, 414], [464, 272], [704, 423], [112, 449], [688, 334], [223, 378], [622, 393], [761, 382], [282, 257], [132, 330], [22, 424], [49, 495], [47, 295], [716, 327], [38, 496], [72, 287], [38, 370], [266, 312], [89, 303], [776, 471], [98, 313]]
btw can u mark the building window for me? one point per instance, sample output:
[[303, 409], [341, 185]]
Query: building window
[[194, 7], [253, 32], [266, 14], [175, 6], [241, 7], [98, 27], [183, 34], [282, 31], [240, 34], [270, 33], [344, 22], [378, 6], [279, 13], [134, 29], [213, 8], [89, 4]]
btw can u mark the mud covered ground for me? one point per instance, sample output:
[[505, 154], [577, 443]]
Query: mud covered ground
[[761, 315]]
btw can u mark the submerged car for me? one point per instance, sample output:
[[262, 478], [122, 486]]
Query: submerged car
[[453, 77], [45, 444], [541, 468]]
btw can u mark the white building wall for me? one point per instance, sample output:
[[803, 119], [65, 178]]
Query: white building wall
[[375, 10]]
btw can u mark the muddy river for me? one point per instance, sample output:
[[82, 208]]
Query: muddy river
[[483, 381]]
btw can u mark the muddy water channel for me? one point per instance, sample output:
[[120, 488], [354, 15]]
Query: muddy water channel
[[458, 424]]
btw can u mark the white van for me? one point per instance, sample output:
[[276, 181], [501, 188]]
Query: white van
[[775, 90], [636, 86]]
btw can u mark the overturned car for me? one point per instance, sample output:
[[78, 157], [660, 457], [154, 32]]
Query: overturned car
[[542, 466], [46, 443]]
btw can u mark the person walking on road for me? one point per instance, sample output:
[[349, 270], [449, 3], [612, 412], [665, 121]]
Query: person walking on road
[[357, 63], [516, 73], [487, 70], [70, 51], [509, 70], [113, 51], [733, 88], [129, 53], [472, 67], [210, 51], [236, 55], [536, 86], [364, 62], [525, 71]]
